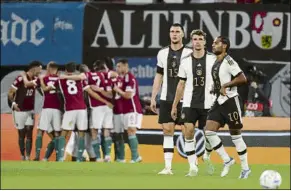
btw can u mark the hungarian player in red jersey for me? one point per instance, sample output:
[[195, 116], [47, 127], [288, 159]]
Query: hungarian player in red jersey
[[21, 99], [128, 104]]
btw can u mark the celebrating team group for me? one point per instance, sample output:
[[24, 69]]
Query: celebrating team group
[[196, 86]]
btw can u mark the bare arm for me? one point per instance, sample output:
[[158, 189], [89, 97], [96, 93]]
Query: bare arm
[[179, 92], [98, 97], [77, 77], [11, 99], [126, 95], [240, 79], [44, 87], [157, 85], [26, 82], [107, 94]]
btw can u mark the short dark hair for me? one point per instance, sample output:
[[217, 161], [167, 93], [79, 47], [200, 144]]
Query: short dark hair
[[70, 67], [98, 65], [34, 64], [178, 25], [198, 32], [225, 40], [123, 61]]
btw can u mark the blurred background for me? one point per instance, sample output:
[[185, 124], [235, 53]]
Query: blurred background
[[84, 31]]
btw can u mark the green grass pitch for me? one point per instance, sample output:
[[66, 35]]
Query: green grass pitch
[[72, 175]]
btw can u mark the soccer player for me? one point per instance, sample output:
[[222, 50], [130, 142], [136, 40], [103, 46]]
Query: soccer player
[[226, 75], [21, 99], [195, 84], [131, 119], [167, 71], [75, 108]]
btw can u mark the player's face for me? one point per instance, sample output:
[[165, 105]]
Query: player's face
[[198, 42], [176, 35], [217, 46], [119, 67], [37, 71]]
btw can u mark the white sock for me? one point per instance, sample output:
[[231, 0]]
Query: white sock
[[190, 151], [168, 146], [241, 149], [216, 144], [208, 148]]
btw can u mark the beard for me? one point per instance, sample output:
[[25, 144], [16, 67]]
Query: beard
[[217, 52]]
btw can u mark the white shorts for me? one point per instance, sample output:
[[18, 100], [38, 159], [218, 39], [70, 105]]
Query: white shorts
[[50, 119], [118, 123], [23, 118], [73, 118], [132, 120], [101, 117]]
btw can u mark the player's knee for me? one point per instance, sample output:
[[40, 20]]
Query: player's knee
[[106, 133], [168, 129], [189, 131], [212, 125], [131, 131]]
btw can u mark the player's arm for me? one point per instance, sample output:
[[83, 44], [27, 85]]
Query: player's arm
[[125, 94], [26, 82], [157, 83], [44, 87], [97, 96], [76, 77], [11, 99], [105, 93]]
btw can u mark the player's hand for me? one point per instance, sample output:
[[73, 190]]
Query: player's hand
[[153, 106], [254, 85], [223, 90], [110, 105], [15, 107], [174, 113]]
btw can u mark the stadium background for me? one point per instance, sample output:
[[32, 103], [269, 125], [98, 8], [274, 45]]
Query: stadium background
[[84, 32]]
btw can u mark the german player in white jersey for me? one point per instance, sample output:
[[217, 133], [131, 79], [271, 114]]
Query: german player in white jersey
[[195, 86], [226, 75], [168, 61]]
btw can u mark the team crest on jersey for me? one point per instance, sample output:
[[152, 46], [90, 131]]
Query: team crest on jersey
[[266, 41], [199, 72]]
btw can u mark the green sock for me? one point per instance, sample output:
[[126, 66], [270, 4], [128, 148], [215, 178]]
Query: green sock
[[38, 146], [120, 147], [107, 145], [81, 148], [50, 148], [133, 144], [103, 146], [57, 147], [61, 147], [21, 146], [28, 146], [96, 147]]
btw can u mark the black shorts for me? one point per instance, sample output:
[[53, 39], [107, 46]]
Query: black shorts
[[228, 113], [192, 115], [165, 113]]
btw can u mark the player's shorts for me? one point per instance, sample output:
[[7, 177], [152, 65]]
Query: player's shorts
[[101, 117], [227, 113], [118, 125], [165, 113], [75, 117], [23, 118], [132, 120], [50, 118], [192, 115]]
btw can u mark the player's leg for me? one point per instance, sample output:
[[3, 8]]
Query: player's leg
[[132, 121], [56, 132], [19, 119], [234, 120], [72, 146], [202, 141], [168, 126], [68, 124], [89, 147], [50, 146], [38, 144], [29, 131], [214, 122], [96, 124], [82, 125], [118, 125], [189, 118], [107, 127]]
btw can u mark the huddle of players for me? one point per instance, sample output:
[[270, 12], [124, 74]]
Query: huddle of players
[[75, 94], [199, 86]]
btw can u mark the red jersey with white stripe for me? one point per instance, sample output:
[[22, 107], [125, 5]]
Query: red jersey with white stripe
[[73, 93], [118, 102], [24, 96], [51, 98], [131, 105], [96, 78]]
